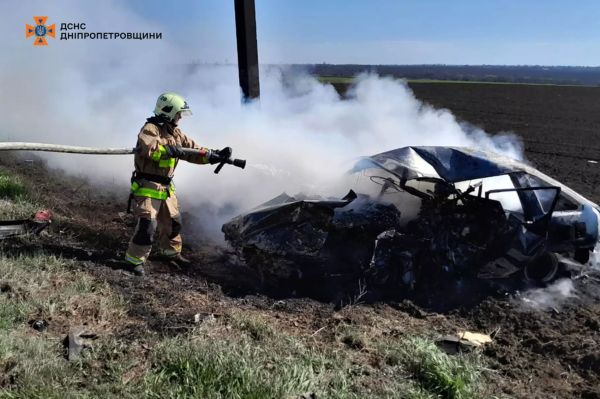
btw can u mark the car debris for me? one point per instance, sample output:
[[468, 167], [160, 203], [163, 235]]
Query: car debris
[[476, 338], [422, 213], [75, 343], [205, 318], [464, 341], [39, 325], [11, 228]]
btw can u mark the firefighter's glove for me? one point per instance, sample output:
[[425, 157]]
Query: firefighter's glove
[[174, 151]]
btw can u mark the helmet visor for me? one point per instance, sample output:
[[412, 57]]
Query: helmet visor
[[185, 110]]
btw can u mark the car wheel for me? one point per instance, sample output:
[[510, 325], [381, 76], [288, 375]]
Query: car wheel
[[543, 269]]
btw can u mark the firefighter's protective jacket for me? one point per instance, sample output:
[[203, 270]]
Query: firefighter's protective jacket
[[152, 159]]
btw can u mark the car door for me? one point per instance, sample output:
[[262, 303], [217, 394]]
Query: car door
[[526, 235]]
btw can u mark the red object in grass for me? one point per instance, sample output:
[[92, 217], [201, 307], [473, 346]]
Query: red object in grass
[[43, 216]]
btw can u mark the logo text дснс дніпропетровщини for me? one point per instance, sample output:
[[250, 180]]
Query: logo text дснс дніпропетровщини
[[41, 31]]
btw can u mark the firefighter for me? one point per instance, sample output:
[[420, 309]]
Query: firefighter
[[154, 203]]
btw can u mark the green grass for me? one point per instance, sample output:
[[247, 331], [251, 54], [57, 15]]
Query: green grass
[[223, 369], [12, 188], [438, 374], [244, 357], [230, 360], [15, 198]]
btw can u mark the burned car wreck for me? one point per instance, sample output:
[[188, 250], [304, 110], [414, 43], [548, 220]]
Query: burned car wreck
[[419, 213]]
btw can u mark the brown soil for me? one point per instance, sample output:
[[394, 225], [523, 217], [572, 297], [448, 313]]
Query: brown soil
[[536, 353]]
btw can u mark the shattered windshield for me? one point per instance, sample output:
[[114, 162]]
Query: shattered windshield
[[385, 187]]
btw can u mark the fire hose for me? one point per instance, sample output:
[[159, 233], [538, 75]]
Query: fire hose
[[69, 149]]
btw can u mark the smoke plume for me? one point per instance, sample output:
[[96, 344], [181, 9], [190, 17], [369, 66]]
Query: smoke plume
[[301, 137], [550, 297], [594, 261]]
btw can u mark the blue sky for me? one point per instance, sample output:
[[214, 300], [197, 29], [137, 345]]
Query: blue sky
[[391, 31]]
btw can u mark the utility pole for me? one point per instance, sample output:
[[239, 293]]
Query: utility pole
[[247, 49]]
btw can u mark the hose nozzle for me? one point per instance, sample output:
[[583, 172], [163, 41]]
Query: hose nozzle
[[240, 163]]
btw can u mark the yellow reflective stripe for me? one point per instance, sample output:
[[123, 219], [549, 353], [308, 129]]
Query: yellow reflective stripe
[[133, 259], [170, 252], [161, 151], [148, 192], [166, 163]]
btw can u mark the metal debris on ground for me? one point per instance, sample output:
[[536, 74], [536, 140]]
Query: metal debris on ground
[[11, 228], [204, 318], [462, 342], [40, 325], [75, 343]]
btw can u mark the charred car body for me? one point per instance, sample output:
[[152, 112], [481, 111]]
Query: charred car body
[[423, 211]]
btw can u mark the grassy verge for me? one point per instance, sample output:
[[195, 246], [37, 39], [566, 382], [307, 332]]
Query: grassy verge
[[40, 287], [233, 357], [229, 359]]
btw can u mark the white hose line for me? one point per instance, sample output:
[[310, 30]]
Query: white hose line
[[65, 148]]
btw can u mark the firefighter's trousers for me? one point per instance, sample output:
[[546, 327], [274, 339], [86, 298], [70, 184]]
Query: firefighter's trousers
[[154, 214]]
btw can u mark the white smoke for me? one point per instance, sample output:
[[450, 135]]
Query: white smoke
[[594, 261], [551, 297], [299, 138]]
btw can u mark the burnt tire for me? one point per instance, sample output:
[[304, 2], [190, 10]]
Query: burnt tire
[[543, 269]]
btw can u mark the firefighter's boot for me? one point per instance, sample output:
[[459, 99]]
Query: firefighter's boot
[[138, 270], [180, 261]]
